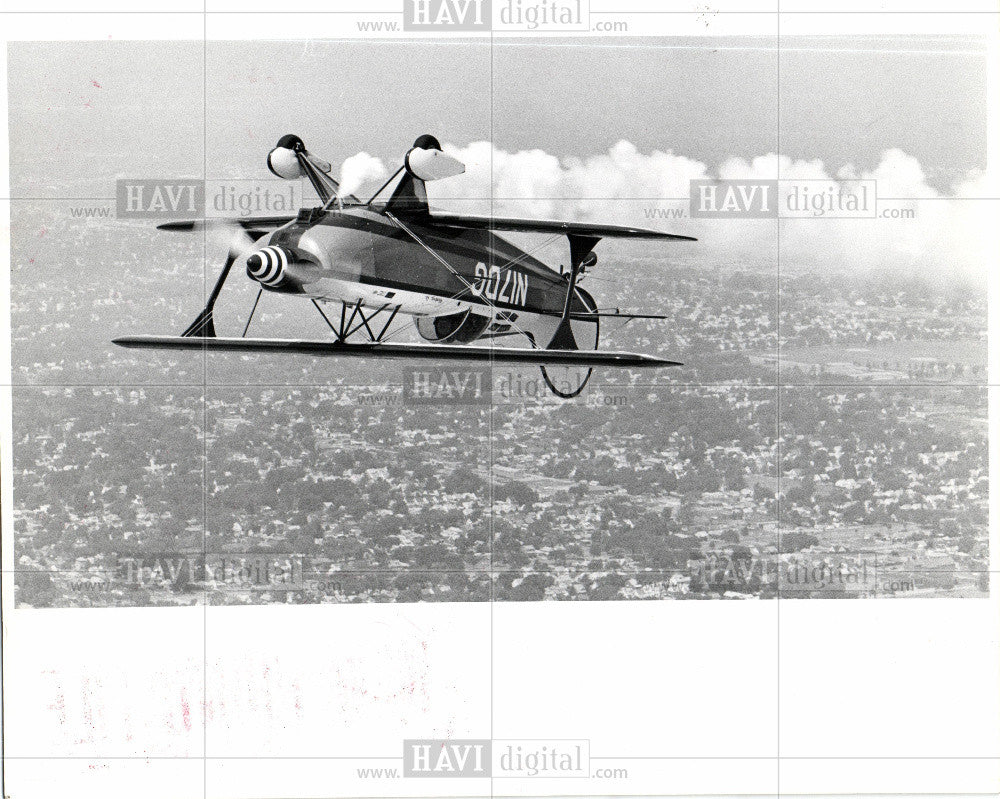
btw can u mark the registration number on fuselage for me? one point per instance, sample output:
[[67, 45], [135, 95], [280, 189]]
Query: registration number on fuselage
[[499, 285]]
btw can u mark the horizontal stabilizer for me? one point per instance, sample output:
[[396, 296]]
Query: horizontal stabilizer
[[584, 316], [394, 350]]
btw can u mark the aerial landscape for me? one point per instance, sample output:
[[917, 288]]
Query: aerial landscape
[[857, 470], [826, 435]]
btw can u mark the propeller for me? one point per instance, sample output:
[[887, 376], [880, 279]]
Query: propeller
[[238, 242], [235, 238]]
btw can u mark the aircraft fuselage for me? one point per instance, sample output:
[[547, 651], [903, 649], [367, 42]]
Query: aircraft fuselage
[[358, 252]]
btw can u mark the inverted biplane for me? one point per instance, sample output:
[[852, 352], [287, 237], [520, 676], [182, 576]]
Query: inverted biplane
[[392, 255]]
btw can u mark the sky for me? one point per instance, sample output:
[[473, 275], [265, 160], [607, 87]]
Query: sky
[[548, 122], [93, 108]]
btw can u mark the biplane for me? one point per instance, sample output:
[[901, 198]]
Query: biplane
[[470, 294]]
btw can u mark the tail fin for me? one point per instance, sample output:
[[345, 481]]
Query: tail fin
[[579, 248]]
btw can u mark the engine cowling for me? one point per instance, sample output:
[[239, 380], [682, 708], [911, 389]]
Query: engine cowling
[[458, 328]]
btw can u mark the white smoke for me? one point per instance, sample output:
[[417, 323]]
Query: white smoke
[[358, 169], [949, 234]]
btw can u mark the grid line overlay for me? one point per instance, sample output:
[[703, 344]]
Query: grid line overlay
[[778, 386], [777, 411]]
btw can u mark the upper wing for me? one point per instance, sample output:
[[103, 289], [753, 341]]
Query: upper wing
[[393, 350], [547, 226], [247, 222]]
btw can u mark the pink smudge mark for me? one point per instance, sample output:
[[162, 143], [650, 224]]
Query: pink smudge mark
[[185, 712], [60, 707], [88, 711], [95, 84]]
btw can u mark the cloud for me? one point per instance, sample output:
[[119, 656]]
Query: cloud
[[358, 169], [540, 183], [949, 234]]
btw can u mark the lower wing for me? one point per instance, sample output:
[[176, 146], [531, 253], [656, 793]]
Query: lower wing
[[392, 350]]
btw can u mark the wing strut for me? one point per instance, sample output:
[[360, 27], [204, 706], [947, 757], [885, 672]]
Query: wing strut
[[203, 326], [344, 331], [253, 310]]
